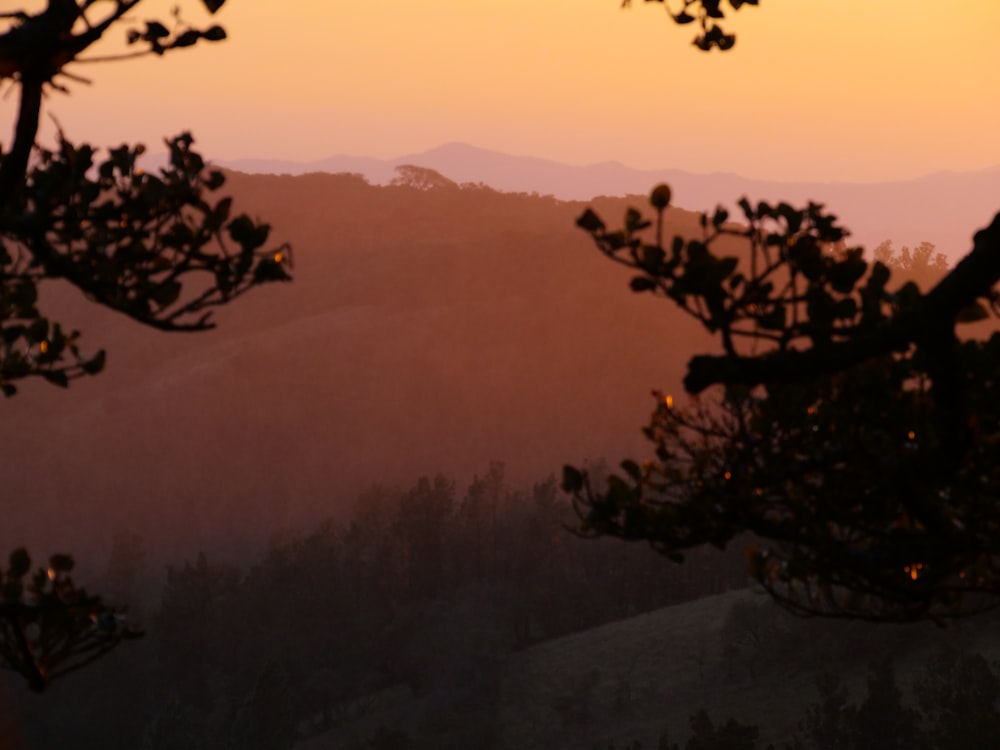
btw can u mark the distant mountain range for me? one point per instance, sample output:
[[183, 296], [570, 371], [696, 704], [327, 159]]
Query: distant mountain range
[[944, 208]]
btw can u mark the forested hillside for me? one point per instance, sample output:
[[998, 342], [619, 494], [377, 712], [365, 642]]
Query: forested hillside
[[427, 330], [338, 516], [419, 595]]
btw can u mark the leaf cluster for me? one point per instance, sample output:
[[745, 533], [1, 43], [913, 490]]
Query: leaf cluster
[[159, 248], [799, 286], [38, 47], [706, 13], [159, 39], [48, 626]]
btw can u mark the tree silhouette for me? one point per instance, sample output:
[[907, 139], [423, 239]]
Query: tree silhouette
[[421, 178], [959, 695], [705, 735], [48, 626], [127, 239], [706, 13], [157, 248], [830, 723], [921, 265], [851, 431], [881, 720]]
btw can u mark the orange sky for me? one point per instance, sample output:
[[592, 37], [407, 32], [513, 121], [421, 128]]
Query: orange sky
[[815, 89]]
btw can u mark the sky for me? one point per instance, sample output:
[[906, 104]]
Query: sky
[[817, 90]]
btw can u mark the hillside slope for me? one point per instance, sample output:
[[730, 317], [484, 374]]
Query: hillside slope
[[424, 332], [640, 677]]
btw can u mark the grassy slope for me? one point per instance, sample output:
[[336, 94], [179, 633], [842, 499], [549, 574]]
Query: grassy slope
[[636, 678], [672, 659]]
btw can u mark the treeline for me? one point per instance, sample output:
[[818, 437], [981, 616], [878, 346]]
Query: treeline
[[952, 705], [422, 591], [393, 627]]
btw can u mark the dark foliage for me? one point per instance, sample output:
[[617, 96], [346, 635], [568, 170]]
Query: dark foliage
[[48, 626], [957, 698], [705, 735], [852, 432], [707, 13], [153, 247]]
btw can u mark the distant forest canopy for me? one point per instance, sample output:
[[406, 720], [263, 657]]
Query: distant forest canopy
[[923, 264], [429, 329], [434, 538], [428, 587], [409, 622]]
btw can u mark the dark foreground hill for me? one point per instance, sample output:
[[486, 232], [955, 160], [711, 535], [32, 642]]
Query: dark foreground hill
[[425, 331], [736, 655]]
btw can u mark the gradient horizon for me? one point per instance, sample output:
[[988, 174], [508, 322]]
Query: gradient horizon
[[815, 90]]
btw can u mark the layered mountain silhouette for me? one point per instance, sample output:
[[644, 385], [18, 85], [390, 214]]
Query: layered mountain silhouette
[[943, 208]]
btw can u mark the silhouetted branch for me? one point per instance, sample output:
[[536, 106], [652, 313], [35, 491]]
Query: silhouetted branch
[[973, 277]]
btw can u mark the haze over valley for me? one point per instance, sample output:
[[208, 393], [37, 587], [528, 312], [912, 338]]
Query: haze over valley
[[425, 331], [371, 508]]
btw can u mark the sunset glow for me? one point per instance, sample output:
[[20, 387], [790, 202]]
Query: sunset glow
[[339, 345], [822, 90]]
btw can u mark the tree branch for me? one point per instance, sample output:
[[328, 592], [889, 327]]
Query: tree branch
[[15, 163], [973, 277]]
